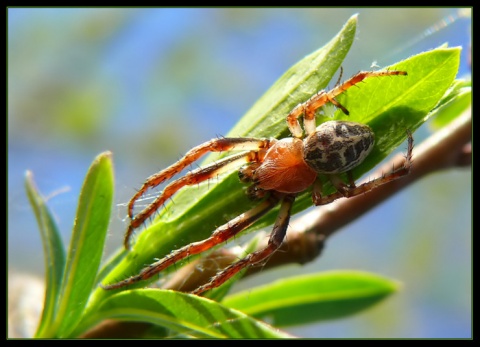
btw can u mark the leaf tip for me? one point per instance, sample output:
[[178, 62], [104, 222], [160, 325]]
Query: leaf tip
[[104, 155], [30, 183], [352, 21]]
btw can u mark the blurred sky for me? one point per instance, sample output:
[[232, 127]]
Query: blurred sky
[[148, 84]]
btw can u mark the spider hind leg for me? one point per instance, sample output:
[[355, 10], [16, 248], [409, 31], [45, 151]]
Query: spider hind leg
[[220, 235], [275, 241], [348, 191]]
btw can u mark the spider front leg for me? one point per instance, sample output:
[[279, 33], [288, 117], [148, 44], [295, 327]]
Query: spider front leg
[[220, 235], [344, 190], [257, 148], [275, 241]]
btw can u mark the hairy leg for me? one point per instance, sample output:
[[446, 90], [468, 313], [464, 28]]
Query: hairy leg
[[274, 242], [191, 178], [310, 107], [214, 145], [344, 190], [220, 235], [257, 149]]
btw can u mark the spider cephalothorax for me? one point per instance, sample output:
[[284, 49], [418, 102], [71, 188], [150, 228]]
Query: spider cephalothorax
[[277, 170]]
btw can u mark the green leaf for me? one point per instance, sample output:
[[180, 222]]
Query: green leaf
[[185, 314], [197, 212], [86, 246], [110, 264], [457, 99], [309, 298], [53, 251]]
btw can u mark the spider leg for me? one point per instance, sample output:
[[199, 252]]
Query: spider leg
[[359, 77], [351, 180], [310, 107], [347, 191], [191, 178], [339, 77], [214, 145], [255, 146], [221, 234], [275, 241]]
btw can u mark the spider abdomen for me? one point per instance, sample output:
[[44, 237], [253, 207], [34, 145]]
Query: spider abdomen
[[338, 146]]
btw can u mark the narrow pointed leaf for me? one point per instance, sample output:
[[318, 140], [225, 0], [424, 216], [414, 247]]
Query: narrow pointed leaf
[[309, 298], [53, 251], [86, 246], [184, 314], [456, 100]]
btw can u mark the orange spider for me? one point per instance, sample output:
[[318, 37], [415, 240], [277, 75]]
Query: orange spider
[[278, 170]]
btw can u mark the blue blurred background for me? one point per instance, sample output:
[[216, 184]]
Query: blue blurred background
[[148, 84]]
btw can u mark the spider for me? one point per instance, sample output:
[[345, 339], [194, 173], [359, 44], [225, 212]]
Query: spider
[[278, 170]]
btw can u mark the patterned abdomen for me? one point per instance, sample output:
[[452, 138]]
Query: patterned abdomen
[[338, 146]]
